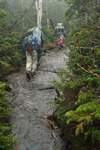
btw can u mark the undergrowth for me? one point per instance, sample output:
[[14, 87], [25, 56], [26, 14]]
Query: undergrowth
[[7, 141], [78, 113]]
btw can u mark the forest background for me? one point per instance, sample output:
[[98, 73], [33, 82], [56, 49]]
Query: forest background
[[79, 104]]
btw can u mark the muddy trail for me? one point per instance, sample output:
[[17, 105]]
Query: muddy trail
[[29, 100]]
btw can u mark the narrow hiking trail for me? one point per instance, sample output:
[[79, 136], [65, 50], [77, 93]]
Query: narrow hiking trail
[[29, 99]]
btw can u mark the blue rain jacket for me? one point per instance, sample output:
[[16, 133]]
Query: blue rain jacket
[[38, 47], [42, 39], [59, 33]]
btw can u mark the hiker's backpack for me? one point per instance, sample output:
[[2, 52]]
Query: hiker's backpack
[[59, 27], [60, 43], [30, 44], [36, 33]]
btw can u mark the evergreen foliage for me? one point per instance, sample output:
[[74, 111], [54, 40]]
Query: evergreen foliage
[[16, 17], [79, 102], [6, 139], [10, 56]]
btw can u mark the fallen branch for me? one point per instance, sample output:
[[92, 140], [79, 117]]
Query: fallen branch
[[85, 47], [89, 71]]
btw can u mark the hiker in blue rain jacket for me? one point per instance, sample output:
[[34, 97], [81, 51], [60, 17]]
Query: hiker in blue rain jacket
[[60, 32], [31, 57], [37, 32]]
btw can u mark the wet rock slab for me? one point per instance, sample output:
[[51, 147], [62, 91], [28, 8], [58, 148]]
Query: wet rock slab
[[29, 100], [54, 60]]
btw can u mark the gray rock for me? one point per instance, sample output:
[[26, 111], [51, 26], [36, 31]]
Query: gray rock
[[29, 100]]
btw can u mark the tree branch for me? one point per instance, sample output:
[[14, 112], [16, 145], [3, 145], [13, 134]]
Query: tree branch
[[20, 17], [21, 35]]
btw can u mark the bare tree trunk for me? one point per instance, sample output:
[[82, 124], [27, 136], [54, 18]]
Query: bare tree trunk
[[47, 17], [86, 17], [22, 17], [71, 24], [39, 12]]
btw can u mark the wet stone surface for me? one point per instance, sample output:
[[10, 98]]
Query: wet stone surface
[[54, 60], [29, 100]]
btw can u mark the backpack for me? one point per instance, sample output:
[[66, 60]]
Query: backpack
[[59, 27], [30, 44], [36, 33], [60, 43]]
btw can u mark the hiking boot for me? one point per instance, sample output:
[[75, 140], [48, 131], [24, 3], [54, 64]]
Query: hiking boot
[[28, 76], [33, 74], [38, 64]]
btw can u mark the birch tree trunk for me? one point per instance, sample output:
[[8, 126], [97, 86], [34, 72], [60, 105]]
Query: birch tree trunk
[[47, 17], [39, 12], [23, 17]]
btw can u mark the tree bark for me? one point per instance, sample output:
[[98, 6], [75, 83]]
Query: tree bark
[[86, 17], [47, 17], [23, 16], [39, 12]]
